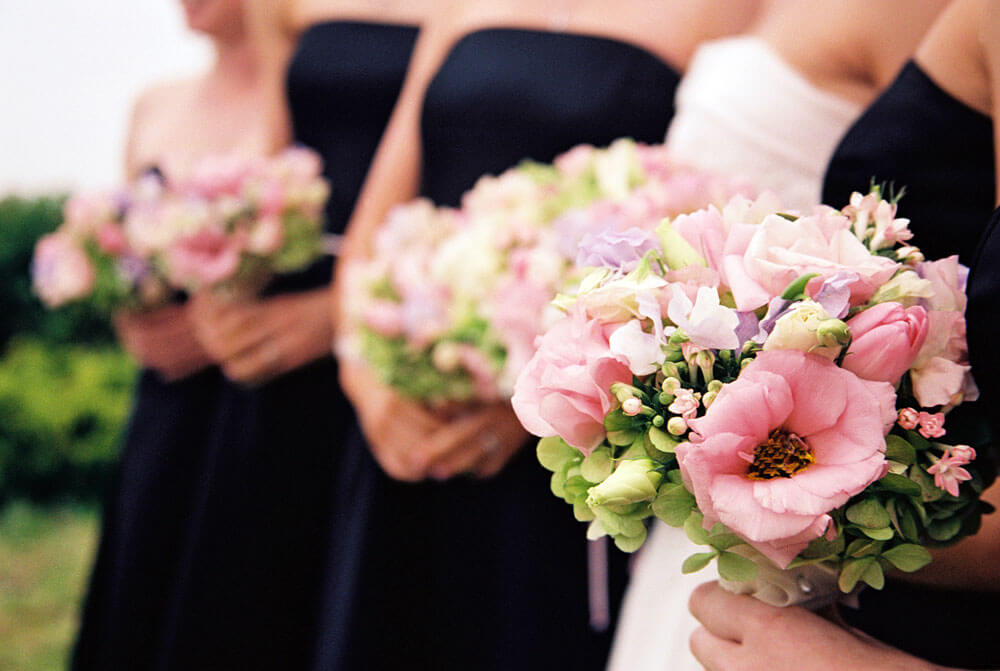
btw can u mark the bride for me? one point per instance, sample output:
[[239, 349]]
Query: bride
[[769, 106]]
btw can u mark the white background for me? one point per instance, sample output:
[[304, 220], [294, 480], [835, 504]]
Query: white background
[[69, 70]]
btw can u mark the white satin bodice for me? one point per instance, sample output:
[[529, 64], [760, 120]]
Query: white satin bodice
[[743, 111]]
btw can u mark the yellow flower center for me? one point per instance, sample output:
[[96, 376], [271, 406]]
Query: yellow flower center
[[783, 455]]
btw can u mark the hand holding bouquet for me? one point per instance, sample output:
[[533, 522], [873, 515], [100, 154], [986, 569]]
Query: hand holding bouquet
[[777, 385]]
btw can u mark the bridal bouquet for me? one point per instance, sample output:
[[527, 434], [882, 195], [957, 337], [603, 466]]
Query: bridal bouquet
[[449, 306], [237, 222], [229, 225], [777, 385], [91, 257]]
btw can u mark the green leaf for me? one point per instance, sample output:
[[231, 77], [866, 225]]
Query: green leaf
[[796, 289], [869, 513], [598, 466], [820, 548], [899, 449], [673, 505], [675, 477], [575, 488], [697, 562], [930, 491], [908, 557], [616, 420], [662, 440], [556, 483], [944, 530], [553, 452], [862, 547], [883, 534], [900, 484], [631, 543], [623, 438], [677, 252], [852, 572], [694, 530], [736, 567], [874, 575], [724, 541]]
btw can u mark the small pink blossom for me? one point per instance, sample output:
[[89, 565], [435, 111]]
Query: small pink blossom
[[111, 238], [948, 472], [931, 426], [909, 418], [204, 258], [685, 404]]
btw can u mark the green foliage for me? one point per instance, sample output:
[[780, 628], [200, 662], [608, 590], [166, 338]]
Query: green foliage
[[22, 222], [62, 408]]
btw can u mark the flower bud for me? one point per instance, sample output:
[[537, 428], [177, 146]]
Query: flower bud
[[676, 426], [632, 406], [634, 481], [833, 333], [799, 329], [906, 288], [705, 360]]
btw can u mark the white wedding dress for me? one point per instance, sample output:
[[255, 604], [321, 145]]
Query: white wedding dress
[[741, 111]]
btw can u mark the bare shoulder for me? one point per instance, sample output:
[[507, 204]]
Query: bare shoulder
[[955, 52], [152, 111]]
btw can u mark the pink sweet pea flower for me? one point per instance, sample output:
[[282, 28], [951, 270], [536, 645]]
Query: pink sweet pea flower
[[565, 390], [791, 439], [948, 472], [886, 340]]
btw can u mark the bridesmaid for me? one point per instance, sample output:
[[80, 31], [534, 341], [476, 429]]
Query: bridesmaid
[[489, 571], [931, 132], [151, 501], [256, 567], [819, 63]]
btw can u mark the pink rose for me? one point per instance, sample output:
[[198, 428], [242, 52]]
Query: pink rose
[[886, 340], [61, 271], [111, 239], [204, 258], [565, 390], [791, 439]]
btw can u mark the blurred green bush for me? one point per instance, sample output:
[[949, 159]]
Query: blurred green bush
[[65, 387]]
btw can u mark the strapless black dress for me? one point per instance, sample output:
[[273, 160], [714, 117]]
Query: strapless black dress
[[245, 588], [492, 574], [144, 521], [918, 136]]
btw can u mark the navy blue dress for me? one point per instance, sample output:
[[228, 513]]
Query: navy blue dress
[[918, 136], [492, 574], [245, 586], [145, 519]]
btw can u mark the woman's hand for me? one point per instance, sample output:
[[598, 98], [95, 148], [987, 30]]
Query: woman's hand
[[255, 341], [412, 442], [162, 340], [740, 633]]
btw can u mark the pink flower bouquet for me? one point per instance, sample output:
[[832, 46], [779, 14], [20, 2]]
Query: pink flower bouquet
[[90, 258], [229, 225], [242, 221], [775, 384], [449, 306]]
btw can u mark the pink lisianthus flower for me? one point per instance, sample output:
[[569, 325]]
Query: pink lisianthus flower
[[565, 390], [793, 438], [948, 472], [207, 257], [61, 271], [886, 339]]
